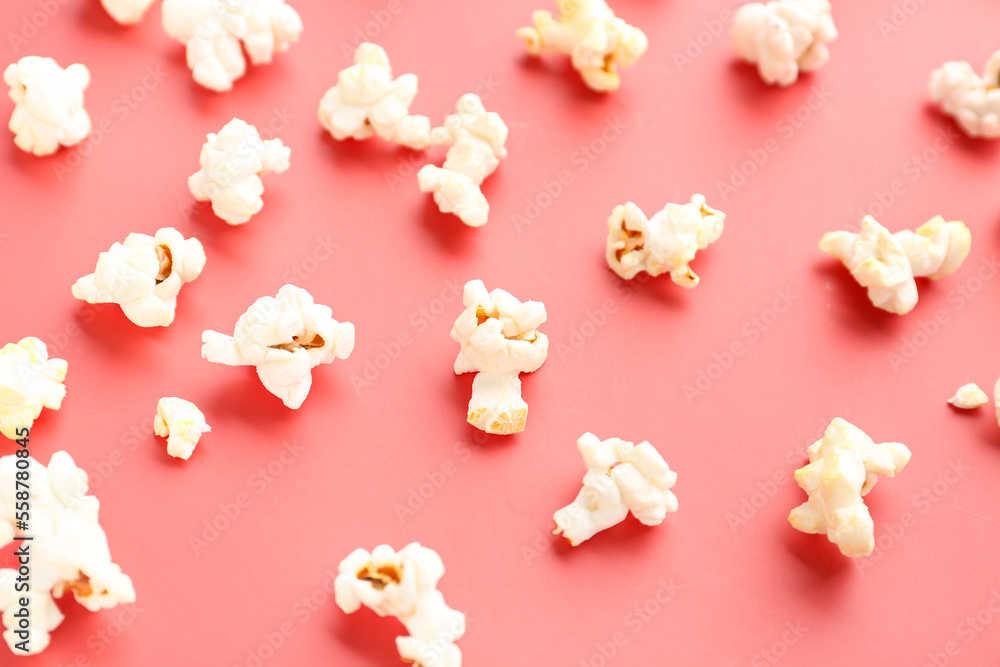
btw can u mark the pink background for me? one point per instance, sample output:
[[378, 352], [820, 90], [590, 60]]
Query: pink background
[[388, 458]]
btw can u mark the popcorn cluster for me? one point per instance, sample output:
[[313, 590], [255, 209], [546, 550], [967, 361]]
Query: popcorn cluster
[[181, 423], [972, 100], [48, 104], [127, 12], [784, 37], [969, 397], [29, 381]]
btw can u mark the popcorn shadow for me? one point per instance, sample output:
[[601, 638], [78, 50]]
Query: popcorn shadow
[[448, 231], [246, 399], [757, 97], [854, 309], [106, 325], [559, 70], [821, 558], [377, 153], [660, 289], [371, 637], [628, 539], [40, 168], [92, 17], [989, 431], [979, 149]]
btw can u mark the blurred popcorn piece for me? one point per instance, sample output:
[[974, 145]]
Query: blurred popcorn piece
[[969, 397], [29, 381], [972, 101], [127, 12], [181, 423], [784, 37], [48, 104]]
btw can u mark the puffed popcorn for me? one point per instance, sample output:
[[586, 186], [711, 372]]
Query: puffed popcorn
[[367, 101], [888, 263], [597, 41], [48, 104], [784, 37], [216, 32], [143, 275], [621, 477], [666, 242], [476, 141], [285, 337], [974, 102], [969, 397], [231, 163], [29, 381], [127, 12], [404, 584], [499, 340], [843, 467], [68, 551], [181, 423]]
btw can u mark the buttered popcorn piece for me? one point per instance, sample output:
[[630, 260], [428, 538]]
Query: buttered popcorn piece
[[143, 275], [596, 40], [784, 37], [973, 101], [843, 467], [127, 12], [231, 163], [404, 584], [68, 550], [48, 104], [29, 381], [285, 337], [181, 423], [969, 397], [621, 477]]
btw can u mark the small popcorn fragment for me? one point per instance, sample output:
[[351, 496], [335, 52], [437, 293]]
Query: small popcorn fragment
[[127, 12], [181, 423], [784, 37], [969, 397], [621, 477], [843, 467], [48, 104], [29, 381], [404, 584], [973, 101]]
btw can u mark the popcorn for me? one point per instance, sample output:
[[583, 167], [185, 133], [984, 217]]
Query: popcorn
[[48, 104], [968, 397], [843, 467], [215, 33], [974, 102], [143, 275], [784, 37], [589, 32], [68, 552], [285, 338], [182, 423], [404, 584], [230, 163], [127, 12], [29, 380], [367, 101], [887, 263], [499, 340], [666, 242]]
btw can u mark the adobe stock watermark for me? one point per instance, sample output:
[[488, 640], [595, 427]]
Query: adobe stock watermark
[[698, 43], [435, 479], [99, 641], [379, 20], [33, 22], [633, 621], [973, 625], [309, 264], [899, 16], [595, 318]]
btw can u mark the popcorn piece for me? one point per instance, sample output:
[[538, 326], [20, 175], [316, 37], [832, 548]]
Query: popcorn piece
[[969, 396], [182, 423], [589, 32], [887, 263], [367, 101], [476, 139], [143, 275], [499, 340], [48, 104], [69, 550], [29, 380], [127, 12], [784, 37], [843, 467], [404, 584], [974, 102], [231, 162], [666, 242], [996, 399], [285, 338], [621, 477]]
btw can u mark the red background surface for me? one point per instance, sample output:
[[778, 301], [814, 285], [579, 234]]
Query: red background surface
[[398, 439]]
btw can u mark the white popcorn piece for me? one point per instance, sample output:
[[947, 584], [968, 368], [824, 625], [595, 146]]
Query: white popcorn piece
[[404, 584], [285, 337], [231, 163], [48, 104], [784, 37], [143, 275], [216, 32], [621, 477], [367, 101], [29, 381], [888, 263], [973, 101], [666, 242], [969, 397], [181, 423], [127, 12], [597, 41], [499, 340], [843, 467], [68, 550]]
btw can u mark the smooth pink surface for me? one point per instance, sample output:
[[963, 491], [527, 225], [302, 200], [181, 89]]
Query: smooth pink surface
[[368, 447]]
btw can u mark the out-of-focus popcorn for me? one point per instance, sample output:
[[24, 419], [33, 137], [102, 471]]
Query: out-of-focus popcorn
[[969, 397], [215, 33], [367, 101], [996, 399], [127, 12], [784, 37], [48, 104], [231, 163], [499, 340], [843, 467], [621, 477], [404, 584], [181, 423], [29, 381], [596, 40], [68, 550], [285, 337], [972, 100], [143, 275]]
